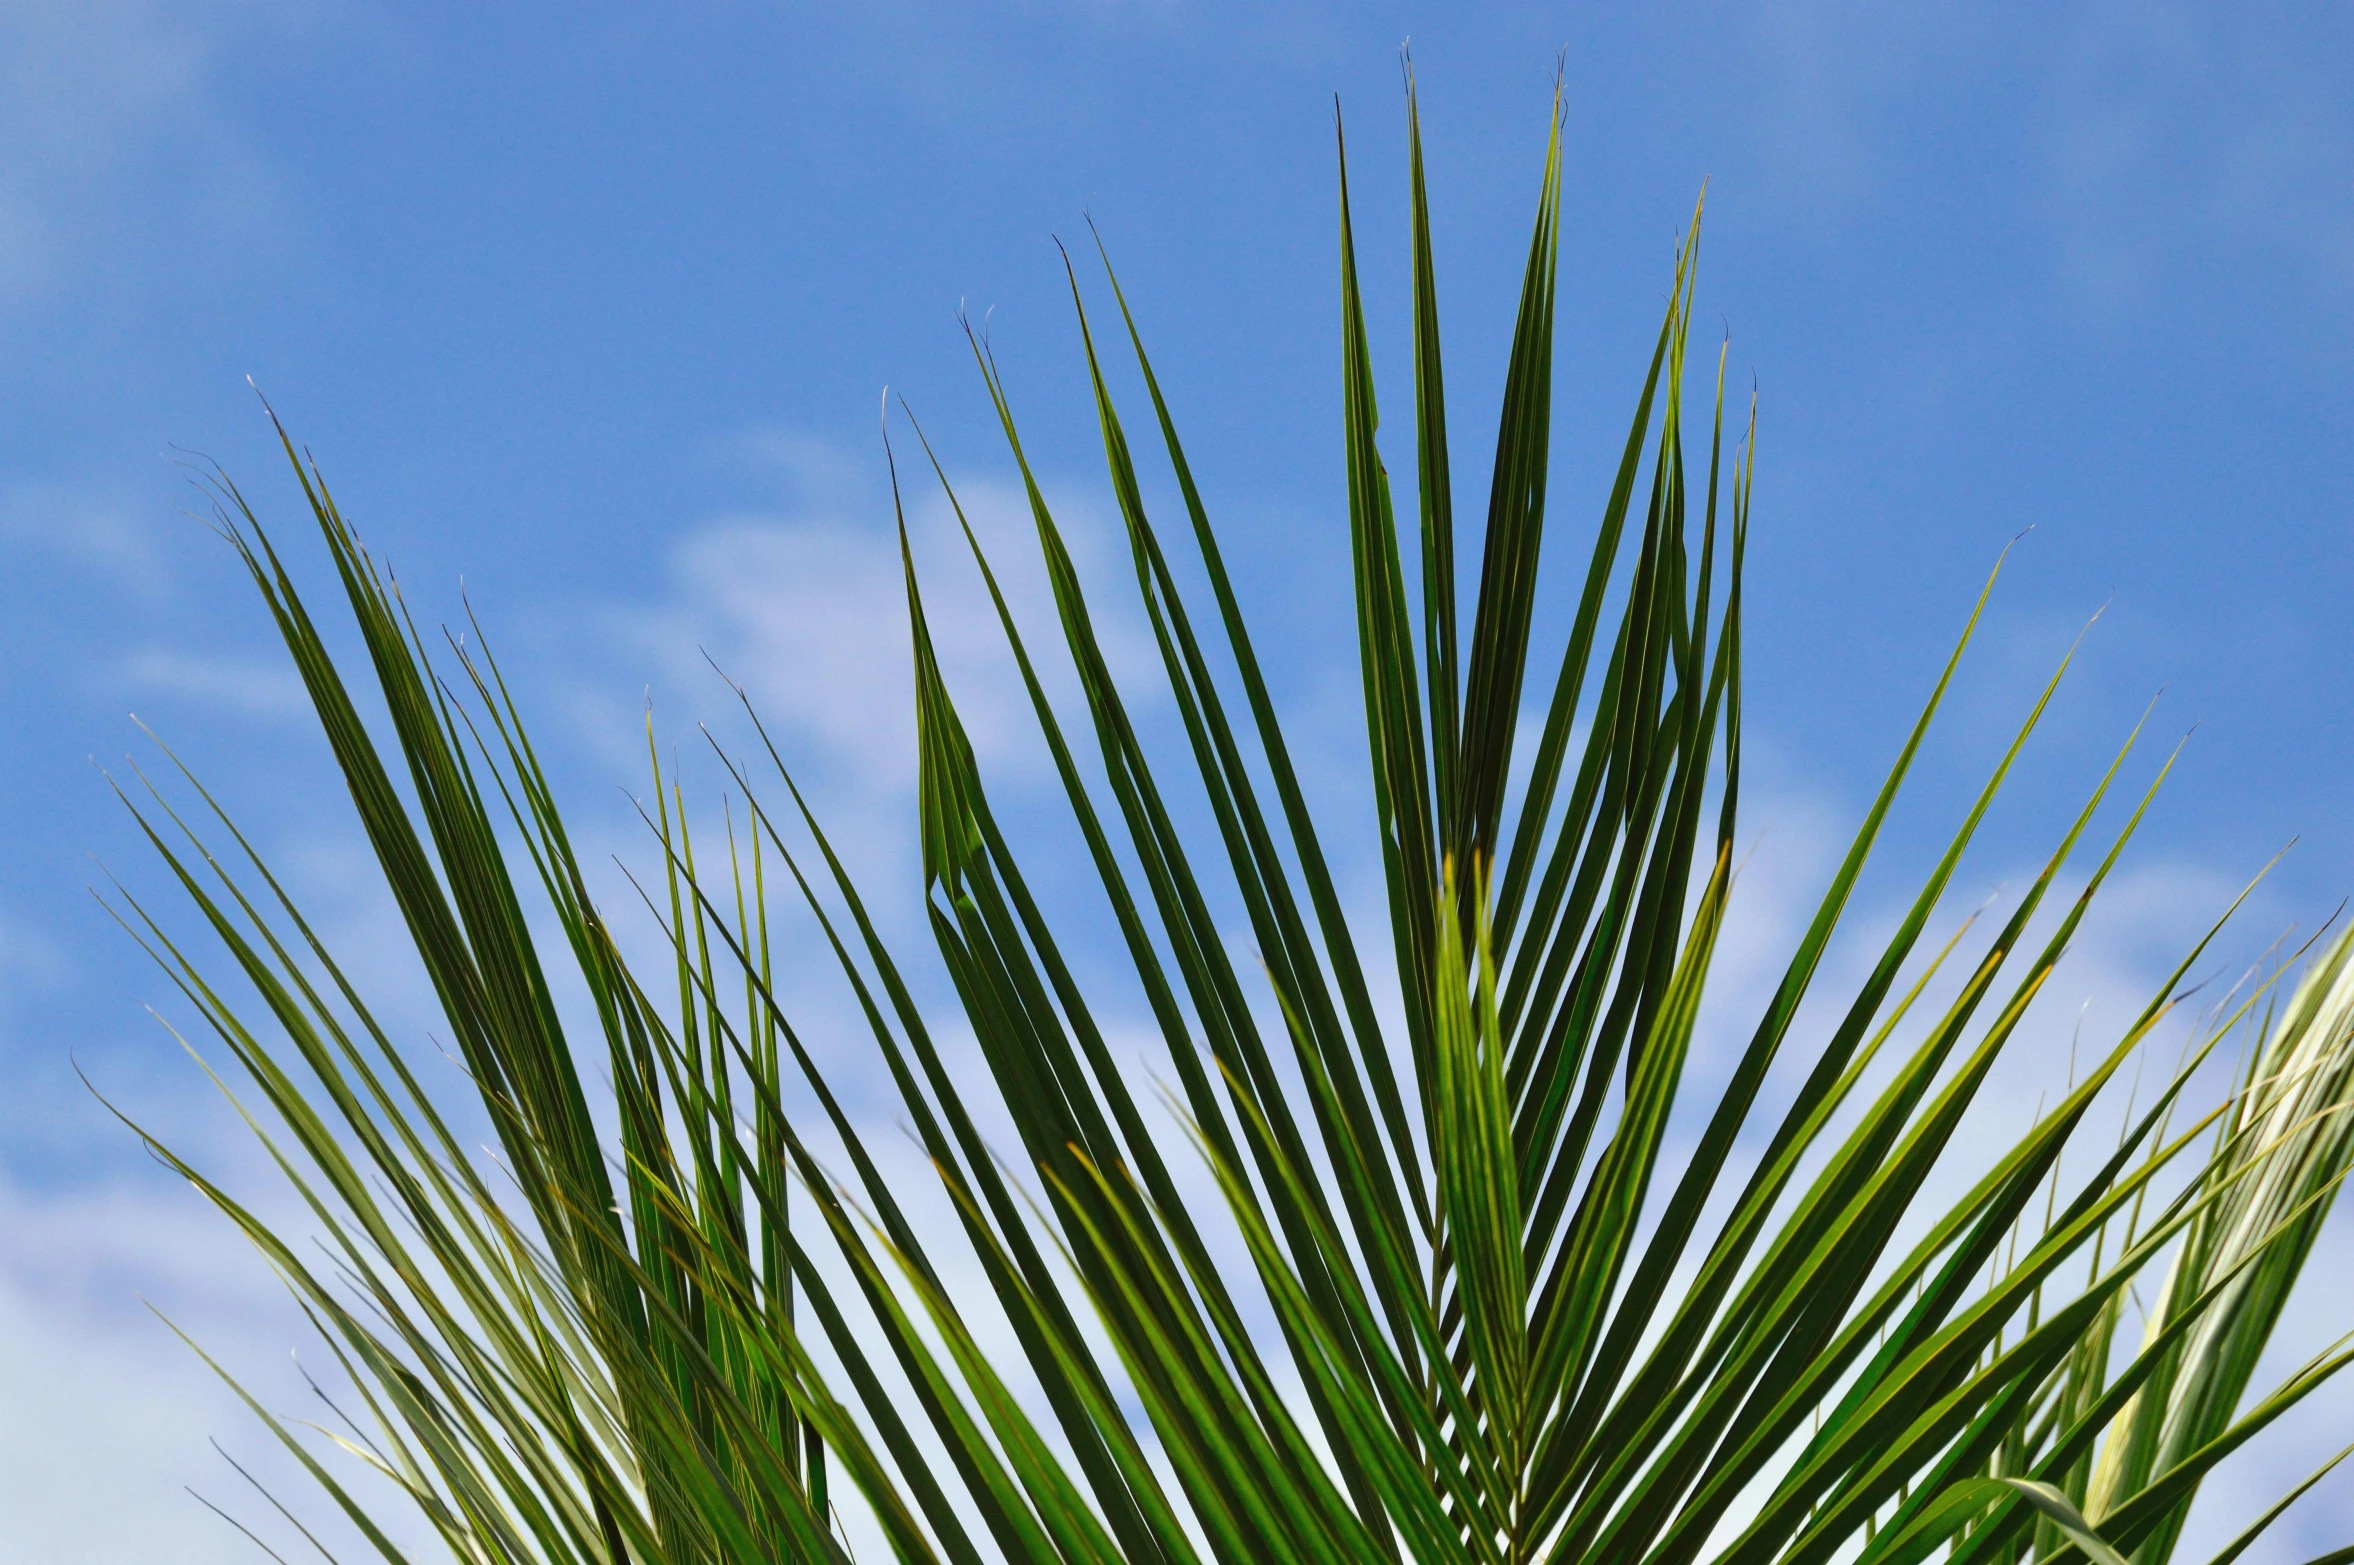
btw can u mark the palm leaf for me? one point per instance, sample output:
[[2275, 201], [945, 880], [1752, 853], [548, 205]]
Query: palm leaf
[[1499, 1310]]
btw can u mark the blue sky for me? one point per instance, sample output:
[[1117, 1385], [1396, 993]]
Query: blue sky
[[592, 307]]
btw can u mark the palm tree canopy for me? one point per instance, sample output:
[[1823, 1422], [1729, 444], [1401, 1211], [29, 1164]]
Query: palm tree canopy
[[1465, 1297]]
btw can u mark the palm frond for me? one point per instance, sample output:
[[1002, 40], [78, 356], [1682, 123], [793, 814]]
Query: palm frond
[[1489, 1279]]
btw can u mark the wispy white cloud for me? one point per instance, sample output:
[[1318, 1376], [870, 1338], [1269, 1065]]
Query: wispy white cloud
[[253, 686], [2149, 133], [29, 957], [114, 133], [806, 605], [2177, 129], [1830, 70], [84, 527]]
